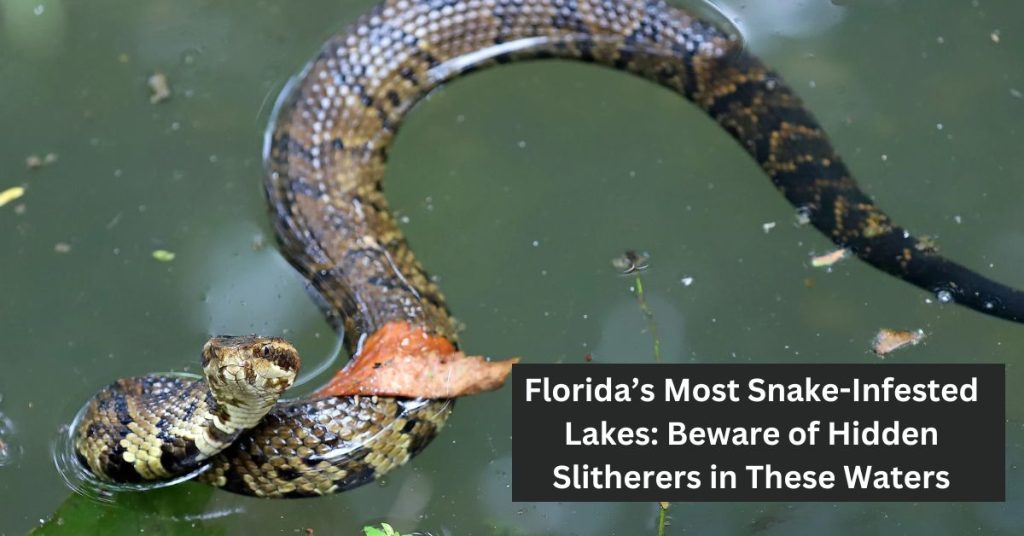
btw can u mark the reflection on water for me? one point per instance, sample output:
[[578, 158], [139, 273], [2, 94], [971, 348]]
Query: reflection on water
[[789, 18], [10, 449], [580, 161]]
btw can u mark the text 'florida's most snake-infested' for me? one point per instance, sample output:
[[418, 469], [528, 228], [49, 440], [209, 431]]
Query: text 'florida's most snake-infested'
[[326, 154]]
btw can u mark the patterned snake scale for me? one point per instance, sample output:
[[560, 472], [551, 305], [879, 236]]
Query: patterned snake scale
[[326, 154]]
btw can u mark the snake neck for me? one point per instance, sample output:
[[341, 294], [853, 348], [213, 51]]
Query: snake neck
[[240, 416], [327, 150]]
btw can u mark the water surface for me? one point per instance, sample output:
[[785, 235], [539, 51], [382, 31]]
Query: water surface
[[516, 187]]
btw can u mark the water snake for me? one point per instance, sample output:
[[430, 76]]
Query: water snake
[[325, 160]]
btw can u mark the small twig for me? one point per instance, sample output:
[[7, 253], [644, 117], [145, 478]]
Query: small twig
[[662, 514], [649, 316], [653, 326]]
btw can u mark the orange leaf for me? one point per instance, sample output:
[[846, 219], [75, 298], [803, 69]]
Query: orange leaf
[[400, 359]]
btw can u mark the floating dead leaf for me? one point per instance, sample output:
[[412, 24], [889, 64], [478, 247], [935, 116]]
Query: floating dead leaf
[[829, 259], [11, 194], [163, 255], [159, 87], [404, 360], [631, 262], [890, 340]]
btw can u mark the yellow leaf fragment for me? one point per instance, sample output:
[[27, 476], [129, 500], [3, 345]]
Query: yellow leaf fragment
[[829, 259], [11, 194], [163, 255]]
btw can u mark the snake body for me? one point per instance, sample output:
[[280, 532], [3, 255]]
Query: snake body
[[325, 158], [159, 427]]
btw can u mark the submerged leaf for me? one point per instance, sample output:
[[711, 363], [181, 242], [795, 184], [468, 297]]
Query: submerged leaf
[[173, 510], [384, 530]]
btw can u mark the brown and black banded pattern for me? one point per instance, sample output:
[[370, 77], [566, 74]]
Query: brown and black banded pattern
[[162, 427], [326, 154], [128, 435]]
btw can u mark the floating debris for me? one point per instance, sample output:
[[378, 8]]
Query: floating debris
[[768, 226], [828, 259], [163, 255], [11, 194], [631, 262], [686, 281], [803, 216], [36, 162], [5, 453], [403, 360], [994, 36], [890, 340], [62, 247], [7, 450], [160, 88], [258, 242], [926, 244]]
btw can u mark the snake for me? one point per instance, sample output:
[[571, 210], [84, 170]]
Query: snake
[[325, 155]]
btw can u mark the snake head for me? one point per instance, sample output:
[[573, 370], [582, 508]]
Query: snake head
[[249, 370]]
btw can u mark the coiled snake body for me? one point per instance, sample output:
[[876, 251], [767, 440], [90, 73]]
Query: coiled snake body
[[325, 159]]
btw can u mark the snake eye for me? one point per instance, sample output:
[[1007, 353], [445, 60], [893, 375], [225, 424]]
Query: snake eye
[[265, 350]]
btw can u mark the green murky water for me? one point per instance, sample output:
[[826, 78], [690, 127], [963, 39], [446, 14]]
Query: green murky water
[[519, 185]]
